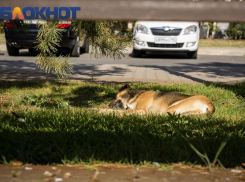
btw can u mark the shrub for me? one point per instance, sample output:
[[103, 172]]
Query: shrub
[[236, 30]]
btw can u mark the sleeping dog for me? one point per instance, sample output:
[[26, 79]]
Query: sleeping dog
[[141, 101]]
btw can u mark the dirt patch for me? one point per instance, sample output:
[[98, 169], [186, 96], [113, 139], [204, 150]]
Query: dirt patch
[[112, 173]]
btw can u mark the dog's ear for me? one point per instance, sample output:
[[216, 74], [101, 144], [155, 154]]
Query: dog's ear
[[124, 87]]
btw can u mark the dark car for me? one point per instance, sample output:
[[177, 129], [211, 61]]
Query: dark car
[[24, 37]]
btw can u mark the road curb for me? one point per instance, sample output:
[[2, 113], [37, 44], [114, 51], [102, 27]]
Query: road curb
[[214, 51], [217, 54]]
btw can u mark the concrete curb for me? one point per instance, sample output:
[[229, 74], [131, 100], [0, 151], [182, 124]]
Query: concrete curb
[[219, 51], [226, 51]]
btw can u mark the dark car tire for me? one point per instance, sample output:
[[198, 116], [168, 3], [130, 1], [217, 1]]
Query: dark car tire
[[12, 51], [75, 52], [32, 50], [192, 54], [85, 49], [137, 53]]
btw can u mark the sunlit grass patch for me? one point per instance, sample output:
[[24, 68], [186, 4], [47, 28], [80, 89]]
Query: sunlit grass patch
[[221, 43], [2, 38]]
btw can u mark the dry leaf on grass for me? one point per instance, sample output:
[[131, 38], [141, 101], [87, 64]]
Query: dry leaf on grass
[[18, 163], [49, 174], [67, 175], [28, 168]]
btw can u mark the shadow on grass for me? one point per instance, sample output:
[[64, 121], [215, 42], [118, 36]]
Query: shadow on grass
[[56, 137], [238, 89], [21, 84], [88, 95], [5, 85]]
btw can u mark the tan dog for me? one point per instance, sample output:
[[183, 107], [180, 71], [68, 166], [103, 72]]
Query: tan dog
[[141, 101]]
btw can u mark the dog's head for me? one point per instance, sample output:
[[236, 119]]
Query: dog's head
[[121, 98]]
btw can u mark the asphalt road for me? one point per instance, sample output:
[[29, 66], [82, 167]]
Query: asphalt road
[[153, 67]]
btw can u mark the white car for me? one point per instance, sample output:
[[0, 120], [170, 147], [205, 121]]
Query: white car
[[166, 36]]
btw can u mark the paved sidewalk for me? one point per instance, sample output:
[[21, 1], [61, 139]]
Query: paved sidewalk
[[152, 68], [228, 51]]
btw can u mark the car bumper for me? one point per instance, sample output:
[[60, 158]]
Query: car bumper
[[180, 46]]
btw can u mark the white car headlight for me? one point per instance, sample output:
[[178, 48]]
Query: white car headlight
[[141, 29], [190, 30]]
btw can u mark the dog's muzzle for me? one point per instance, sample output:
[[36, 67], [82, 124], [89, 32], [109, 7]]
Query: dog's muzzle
[[111, 104], [116, 104]]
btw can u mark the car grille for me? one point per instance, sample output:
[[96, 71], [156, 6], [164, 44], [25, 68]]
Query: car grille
[[178, 45], [174, 32]]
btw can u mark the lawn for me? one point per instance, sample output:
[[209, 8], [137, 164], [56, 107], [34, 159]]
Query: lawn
[[60, 129], [221, 43]]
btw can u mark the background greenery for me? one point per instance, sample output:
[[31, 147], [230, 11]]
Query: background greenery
[[236, 30]]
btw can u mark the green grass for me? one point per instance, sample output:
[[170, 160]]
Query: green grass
[[60, 129], [2, 38], [221, 43]]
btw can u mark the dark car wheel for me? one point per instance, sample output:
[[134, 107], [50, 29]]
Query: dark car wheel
[[12, 51], [75, 52], [32, 50], [192, 54], [85, 49], [137, 53]]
